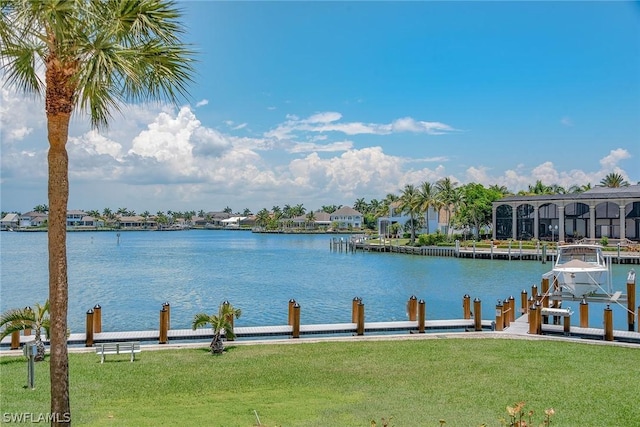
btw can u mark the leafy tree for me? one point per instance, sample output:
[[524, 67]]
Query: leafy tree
[[614, 180], [262, 217], [311, 219], [475, 211], [95, 54], [227, 210], [361, 206], [19, 319], [223, 321], [41, 209]]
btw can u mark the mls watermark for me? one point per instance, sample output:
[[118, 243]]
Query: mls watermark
[[35, 417]]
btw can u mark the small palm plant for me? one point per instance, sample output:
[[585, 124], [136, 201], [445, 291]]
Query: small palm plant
[[223, 321], [18, 319]]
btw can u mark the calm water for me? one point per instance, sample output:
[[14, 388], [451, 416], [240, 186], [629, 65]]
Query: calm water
[[131, 276]]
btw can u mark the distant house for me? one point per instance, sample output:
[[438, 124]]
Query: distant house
[[214, 219], [33, 219], [233, 222], [10, 221], [396, 216], [321, 220], [74, 218], [346, 217]]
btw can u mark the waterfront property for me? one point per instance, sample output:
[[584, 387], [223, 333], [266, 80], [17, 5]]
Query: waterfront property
[[602, 212]]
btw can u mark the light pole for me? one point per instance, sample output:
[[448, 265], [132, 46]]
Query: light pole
[[553, 229]]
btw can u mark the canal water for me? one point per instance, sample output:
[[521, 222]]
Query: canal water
[[131, 274]]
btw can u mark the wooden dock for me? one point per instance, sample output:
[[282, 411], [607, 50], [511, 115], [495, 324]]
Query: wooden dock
[[250, 332], [516, 252]]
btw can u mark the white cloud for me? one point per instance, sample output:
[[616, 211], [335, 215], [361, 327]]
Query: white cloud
[[611, 161], [202, 103], [307, 147], [329, 122]]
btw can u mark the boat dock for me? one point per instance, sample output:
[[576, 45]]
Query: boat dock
[[513, 252]]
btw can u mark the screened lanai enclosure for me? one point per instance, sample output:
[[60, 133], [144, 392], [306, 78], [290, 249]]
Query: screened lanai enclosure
[[601, 212]]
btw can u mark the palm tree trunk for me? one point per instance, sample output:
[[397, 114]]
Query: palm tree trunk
[[58, 128]]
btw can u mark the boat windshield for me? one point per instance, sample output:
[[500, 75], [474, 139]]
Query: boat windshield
[[589, 255]]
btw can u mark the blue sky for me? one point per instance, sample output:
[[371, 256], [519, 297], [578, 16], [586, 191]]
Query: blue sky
[[325, 102]]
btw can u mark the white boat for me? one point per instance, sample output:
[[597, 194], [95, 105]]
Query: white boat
[[581, 270]]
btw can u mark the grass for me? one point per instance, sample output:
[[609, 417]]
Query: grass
[[466, 382]]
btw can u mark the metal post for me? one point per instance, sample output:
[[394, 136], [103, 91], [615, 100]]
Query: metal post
[[97, 319], [89, 335], [30, 350]]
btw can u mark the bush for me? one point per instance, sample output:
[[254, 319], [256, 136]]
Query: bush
[[604, 241], [431, 239]]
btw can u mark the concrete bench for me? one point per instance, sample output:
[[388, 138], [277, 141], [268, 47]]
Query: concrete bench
[[130, 348]]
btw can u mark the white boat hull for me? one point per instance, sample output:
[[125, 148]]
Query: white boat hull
[[581, 283]]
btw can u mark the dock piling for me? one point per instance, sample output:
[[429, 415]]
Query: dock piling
[[296, 321], [97, 319], [631, 299], [354, 309], [163, 338], [499, 316], [412, 308], [422, 315], [15, 340], [608, 323], [292, 302], [88, 341], [466, 306], [523, 302], [477, 314], [360, 325], [584, 314]]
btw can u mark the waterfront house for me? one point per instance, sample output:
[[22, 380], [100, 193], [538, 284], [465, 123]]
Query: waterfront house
[[346, 218], [10, 221], [33, 219], [613, 213], [74, 218], [397, 216]]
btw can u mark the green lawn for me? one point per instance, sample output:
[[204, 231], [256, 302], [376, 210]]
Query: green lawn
[[466, 382]]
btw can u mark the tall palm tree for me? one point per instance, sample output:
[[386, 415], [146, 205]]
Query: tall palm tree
[[18, 319], [95, 55], [410, 203], [614, 180], [311, 219], [446, 189], [223, 321], [428, 195]]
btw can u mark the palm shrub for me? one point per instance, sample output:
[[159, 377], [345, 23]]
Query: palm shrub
[[18, 319], [223, 321]]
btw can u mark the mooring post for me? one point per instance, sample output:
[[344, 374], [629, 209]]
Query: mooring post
[[538, 318], [507, 312], [534, 291], [567, 325], [229, 319], [97, 319], [167, 307], [499, 314], [584, 314], [523, 302], [512, 307], [477, 314], [631, 299], [608, 323], [466, 306], [163, 339], [292, 302], [354, 309], [533, 322], [296, 321], [15, 340], [360, 325], [27, 331], [88, 341], [412, 308], [422, 315]]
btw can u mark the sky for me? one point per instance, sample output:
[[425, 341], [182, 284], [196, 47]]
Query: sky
[[323, 103]]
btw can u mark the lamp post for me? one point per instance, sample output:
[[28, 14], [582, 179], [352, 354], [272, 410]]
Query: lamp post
[[553, 229]]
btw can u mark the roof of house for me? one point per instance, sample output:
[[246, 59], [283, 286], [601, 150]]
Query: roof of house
[[632, 191], [346, 210]]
